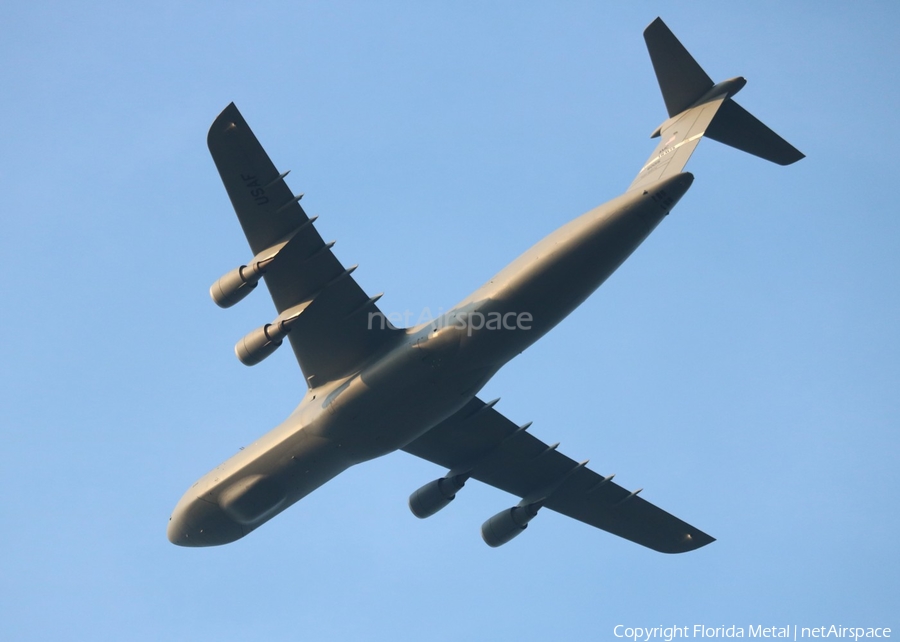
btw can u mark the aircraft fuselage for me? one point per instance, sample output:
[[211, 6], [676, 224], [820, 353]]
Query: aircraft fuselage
[[431, 372]]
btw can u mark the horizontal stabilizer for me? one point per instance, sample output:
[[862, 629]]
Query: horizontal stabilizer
[[738, 128]]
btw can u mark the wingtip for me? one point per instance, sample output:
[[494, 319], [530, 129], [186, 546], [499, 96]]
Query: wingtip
[[229, 110], [227, 119], [688, 542], [699, 540]]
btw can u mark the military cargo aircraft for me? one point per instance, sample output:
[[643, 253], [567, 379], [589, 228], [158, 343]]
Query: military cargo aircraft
[[374, 388]]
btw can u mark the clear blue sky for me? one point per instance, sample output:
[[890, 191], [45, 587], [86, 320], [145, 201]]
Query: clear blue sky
[[743, 367]]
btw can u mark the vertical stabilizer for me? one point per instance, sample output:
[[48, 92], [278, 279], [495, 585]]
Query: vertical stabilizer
[[679, 137], [681, 80]]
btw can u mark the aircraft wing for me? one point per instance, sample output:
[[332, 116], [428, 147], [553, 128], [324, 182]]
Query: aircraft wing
[[483, 443], [332, 334]]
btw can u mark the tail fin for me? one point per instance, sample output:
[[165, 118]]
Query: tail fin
[[681, 80], [698, 107]]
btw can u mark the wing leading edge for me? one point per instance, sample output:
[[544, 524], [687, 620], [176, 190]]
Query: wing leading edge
[[329, 330], [482, 443]]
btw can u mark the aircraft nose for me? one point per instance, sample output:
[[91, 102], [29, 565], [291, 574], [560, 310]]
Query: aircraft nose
[[179, 531], [196, 522]]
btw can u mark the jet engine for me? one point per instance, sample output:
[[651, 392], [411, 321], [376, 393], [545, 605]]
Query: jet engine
[[263, 341], [238, 283], [235, 285], [260, 343], [507, 524], [433, 496]]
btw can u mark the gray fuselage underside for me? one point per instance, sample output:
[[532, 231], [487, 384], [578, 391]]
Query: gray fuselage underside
[[426, 376]]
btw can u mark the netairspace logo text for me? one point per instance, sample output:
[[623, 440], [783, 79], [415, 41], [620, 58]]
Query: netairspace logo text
[[789, 632]]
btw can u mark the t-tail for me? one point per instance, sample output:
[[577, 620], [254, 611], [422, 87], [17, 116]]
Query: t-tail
[[699, 107]]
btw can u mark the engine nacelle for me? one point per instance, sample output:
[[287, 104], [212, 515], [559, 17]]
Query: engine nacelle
[[259, 344], [433, 496], [507, 524], [263, 341], [235, 285]]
